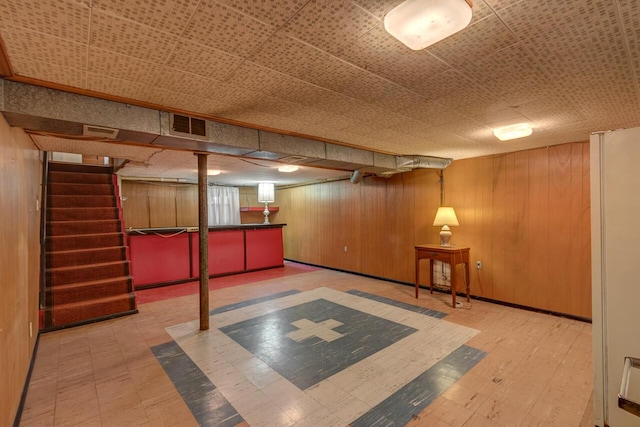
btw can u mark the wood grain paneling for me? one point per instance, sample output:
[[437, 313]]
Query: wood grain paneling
[[156, 204], [20, 173], [525, 215], [135, 206], [187, 206]]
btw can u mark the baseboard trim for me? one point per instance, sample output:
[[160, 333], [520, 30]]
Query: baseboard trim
[[89, 321], [461, 294], [25, 388]]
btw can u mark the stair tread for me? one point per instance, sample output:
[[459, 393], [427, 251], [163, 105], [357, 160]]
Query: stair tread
[[86, 234], [81, 195], [89, 283], [71, 251], [82, 221], [128, 295], [82, 207], [77, 267]]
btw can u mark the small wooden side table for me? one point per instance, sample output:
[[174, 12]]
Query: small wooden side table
[[452, 255]]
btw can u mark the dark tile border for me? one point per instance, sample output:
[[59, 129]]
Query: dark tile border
[[410, 307], [406, 403], [206, 403], [249, 302]]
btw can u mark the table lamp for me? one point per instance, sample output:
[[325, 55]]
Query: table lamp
[[266, 195], [445, 217]]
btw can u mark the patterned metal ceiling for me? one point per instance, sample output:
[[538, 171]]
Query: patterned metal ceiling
[[327, 69]]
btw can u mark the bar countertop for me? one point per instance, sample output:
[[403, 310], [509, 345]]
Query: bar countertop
[[169, 230]]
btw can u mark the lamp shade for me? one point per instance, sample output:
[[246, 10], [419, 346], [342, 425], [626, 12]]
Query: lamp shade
[[266, 192], [421, 23], [445, 216]]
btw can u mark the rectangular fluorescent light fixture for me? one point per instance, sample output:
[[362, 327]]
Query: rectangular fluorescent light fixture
[[212, 172], [288, 168], [519, 130], [421, 23]]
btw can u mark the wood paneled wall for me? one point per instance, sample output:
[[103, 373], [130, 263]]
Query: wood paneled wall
[[20, 174], [158, 204], [525, 215], [162, 204]]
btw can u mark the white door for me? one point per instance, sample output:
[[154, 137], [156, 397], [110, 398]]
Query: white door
[[615, 239]]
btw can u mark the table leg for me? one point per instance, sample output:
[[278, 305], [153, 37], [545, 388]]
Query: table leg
[[468, 281], [417, 274], [452, 276], [430, 276]]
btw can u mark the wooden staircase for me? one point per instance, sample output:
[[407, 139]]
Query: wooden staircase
[[87, 276]]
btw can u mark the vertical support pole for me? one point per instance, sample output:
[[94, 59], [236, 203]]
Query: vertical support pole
[[203, 234]]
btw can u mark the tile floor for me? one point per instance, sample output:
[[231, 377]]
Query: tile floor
[[317, 348]]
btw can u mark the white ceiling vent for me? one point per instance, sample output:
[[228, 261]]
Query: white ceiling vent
[[99, 131], [185, 125]]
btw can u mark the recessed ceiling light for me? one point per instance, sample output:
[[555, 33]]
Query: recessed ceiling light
[[288, 168], [421, 23], [519, 130], [213, 172]]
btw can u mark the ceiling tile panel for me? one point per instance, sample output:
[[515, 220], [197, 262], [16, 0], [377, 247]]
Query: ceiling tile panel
[[289, 56], [375, 117], [273, 121], [203, 60], [177, 100], [507, 70], [509, 114], [467, 128], [431, 113], [181, 81], [378, 8], [380, 53], [130, 39], [474, 42], [272, 12], [170, 16], [205, 89], [412, 127], [118, 87], [610, 112], [226, 29], [64, 19], [28, 45], [572, 33], [50, 72], [501, 4], [288, 109], [258, 79], [630, 15], [439, 86], [263, 80], [112, 64], [328, 24]]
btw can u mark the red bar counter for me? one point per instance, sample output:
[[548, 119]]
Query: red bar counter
[[166, 256]]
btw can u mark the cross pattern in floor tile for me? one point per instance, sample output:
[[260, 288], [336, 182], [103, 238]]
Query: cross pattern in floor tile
[[309, 361], [387, 354]]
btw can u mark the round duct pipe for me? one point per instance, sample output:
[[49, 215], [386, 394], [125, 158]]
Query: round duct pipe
[[356, 176]]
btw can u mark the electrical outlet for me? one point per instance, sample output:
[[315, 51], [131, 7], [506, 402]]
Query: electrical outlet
[[345, 248], [479, 265]]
